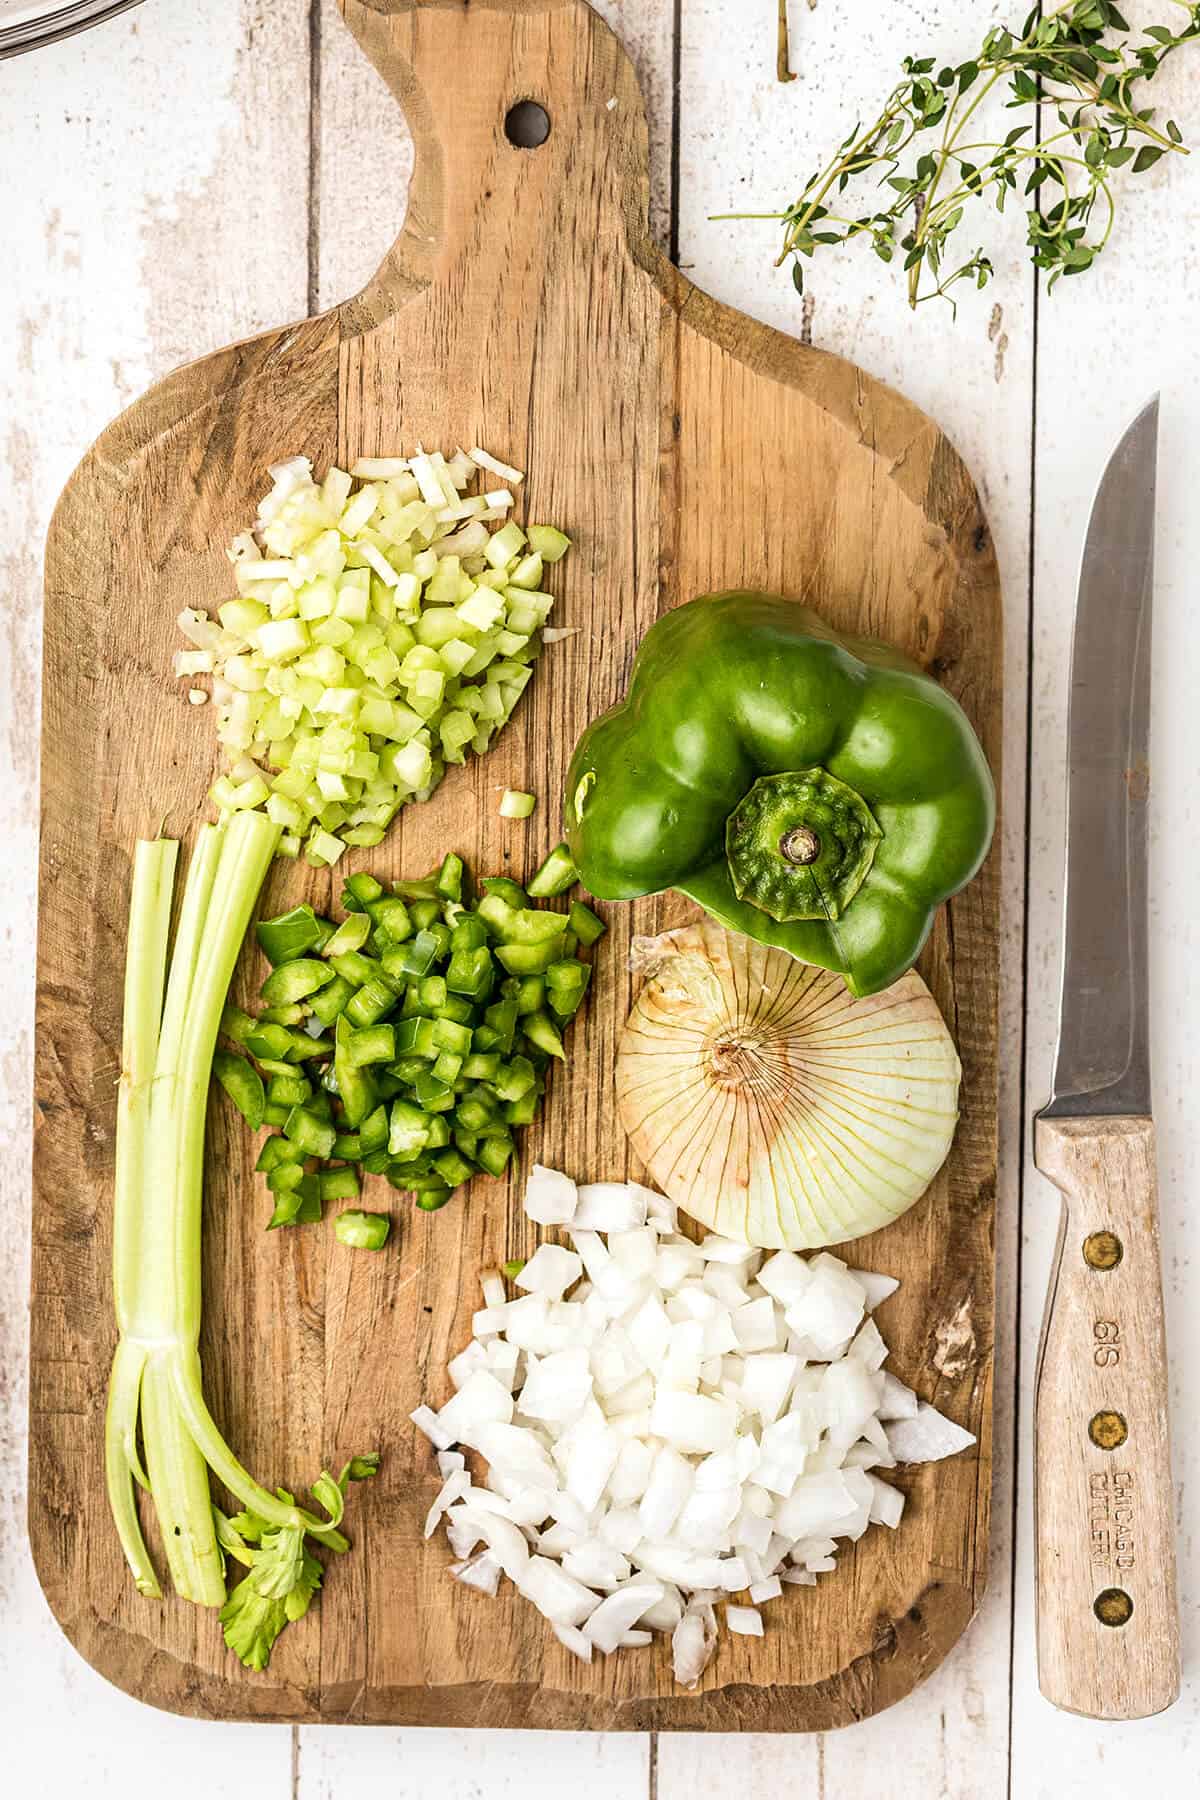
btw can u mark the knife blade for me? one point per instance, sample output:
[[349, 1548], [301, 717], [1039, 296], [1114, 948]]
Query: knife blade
[[1107, 1625], [1102, 1064]]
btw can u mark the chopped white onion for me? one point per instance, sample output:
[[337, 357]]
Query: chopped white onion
[[666, 1424], [746, 1621], [769, 1589], [620, 1612], [480, 1572], [479, 1401], [610, 1206], [928, 1437], [692, 1645], [551, 1270], [453, 1488], [557, 1596], [887, 1502], [574, 1641], [896, 1401], [877, 1287], [550, 1198], [467, 1361], [426, 1420]]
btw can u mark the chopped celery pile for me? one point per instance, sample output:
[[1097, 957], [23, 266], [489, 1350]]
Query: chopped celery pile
[[386, 624], [158, 1429], [411, 1040]]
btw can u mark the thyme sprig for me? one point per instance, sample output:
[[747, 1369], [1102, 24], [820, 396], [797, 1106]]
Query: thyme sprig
[[1080, 67]]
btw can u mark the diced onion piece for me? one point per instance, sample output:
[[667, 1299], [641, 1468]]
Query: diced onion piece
[[746, 1621], [769, 1589], [928, 1437], [557, 1596], [693, 1422], [692, 1645], [868, 1346], [887, 1502], [574, 1641], [481, 1572], [610, 1206], [551, 1270], [896, 1401], [426, 1420], [550, 1198], [876, 1287], [620, 1612], [453, 1488], [481, 1400]]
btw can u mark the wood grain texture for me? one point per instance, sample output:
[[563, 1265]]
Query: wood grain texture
[[686, 448], [1104, 1503]]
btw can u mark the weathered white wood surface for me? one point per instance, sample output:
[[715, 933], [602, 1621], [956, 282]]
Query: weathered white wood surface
[[170, 187]]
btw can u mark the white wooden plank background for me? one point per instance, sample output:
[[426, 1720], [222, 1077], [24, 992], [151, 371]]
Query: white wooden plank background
[[185, 176]]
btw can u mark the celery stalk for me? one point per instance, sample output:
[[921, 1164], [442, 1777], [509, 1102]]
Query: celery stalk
[[145, 974], [157, 1252], [149, 927]]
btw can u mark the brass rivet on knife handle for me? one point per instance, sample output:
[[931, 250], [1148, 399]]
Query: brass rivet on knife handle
[[1105, 1532], [1113, 1607], [1107, 1430], [1102, 1250]]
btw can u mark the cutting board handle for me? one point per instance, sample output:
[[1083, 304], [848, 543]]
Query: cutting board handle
[[477, 163], [1108, 1619]]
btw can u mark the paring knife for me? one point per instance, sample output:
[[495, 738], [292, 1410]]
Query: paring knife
[[1107, 1615]]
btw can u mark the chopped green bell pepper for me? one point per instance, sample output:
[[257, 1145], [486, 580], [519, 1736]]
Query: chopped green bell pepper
[[362, 1230], [585, 924], [502, 887], [291, 934], [295, 980], [359, 890], [355, 1087], [243, 1083], [308, 1132], [555, 876]]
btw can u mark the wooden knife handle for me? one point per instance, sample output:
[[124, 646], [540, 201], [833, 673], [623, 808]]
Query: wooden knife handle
[[1107, 1614]]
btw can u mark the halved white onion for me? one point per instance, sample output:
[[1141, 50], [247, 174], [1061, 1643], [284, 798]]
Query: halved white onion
[[772, 1104]]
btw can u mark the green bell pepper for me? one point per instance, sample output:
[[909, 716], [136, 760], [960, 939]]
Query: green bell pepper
[[816, 793]]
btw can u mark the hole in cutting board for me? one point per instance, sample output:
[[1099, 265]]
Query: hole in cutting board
[[527, 125]]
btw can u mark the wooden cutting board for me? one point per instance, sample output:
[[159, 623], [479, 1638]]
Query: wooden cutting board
[[685, 448]]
